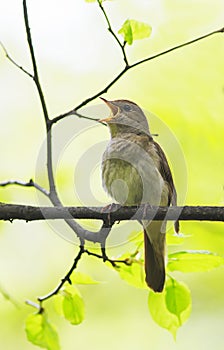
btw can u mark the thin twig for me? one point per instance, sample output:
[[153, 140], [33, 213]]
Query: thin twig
[[105, 258], [43, 104], [33, 59], [86, 117], [33, 304], [176, 47], [127, 68], [90, 99], [122, 46], [25, 184], [66, 278], [14, 62], [53, 196]]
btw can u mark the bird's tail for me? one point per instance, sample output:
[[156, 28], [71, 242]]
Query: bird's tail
[[154, 238]]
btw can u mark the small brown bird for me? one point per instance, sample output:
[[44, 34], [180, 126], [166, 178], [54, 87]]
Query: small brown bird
[[135, 171]]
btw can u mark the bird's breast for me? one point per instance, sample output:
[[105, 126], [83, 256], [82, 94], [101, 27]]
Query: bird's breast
[[130, 174]]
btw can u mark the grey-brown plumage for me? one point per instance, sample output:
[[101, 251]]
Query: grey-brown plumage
[[135, 171]]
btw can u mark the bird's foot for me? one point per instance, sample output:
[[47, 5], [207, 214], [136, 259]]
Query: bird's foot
[[110, 208], [146, 206]]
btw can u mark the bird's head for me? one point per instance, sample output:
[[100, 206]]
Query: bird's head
[[126, 117]]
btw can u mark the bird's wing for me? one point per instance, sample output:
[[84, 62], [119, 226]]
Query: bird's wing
[[167, 176]]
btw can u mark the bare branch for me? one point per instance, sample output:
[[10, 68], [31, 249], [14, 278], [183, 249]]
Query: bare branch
[[14, 62], [25, 184], [122, 46], [90, 99], [119, 213], [33, 59], [66, 278], [86, 117], [176, 47], [127, 68], [105, 258]]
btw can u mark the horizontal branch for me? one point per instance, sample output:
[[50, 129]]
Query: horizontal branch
[[117, 213]]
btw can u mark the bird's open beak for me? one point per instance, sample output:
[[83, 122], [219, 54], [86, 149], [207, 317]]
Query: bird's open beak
[[114, 110]]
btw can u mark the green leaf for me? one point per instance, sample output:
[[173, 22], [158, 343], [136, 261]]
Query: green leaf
[[82, 278], [72, 305], [58, 299], [167, 309], [175, 239], [178, 299], [134, 30], [194, 261], [134, 273], [42, 333]]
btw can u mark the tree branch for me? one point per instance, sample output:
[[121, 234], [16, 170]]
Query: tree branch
[[53, 196], [221, 30], [33, 59], [14, 62], [90, 99], [122, 46], [65, 279], [127, 68], [119, 213], [25, 184]]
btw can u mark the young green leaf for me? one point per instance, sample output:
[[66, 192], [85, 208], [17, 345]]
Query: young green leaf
[[178, 299], [175, 239], [72, 305], [82, 278], [134, 273], [42, 333], [134, 30], [167, 310], [194, 261]]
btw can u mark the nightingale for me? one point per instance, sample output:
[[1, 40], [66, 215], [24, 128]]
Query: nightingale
[[135, 171]]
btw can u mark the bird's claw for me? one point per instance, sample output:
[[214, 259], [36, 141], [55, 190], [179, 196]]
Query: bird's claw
[[110, 208]]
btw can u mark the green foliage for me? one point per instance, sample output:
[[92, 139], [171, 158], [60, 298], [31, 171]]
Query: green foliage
[[175, 239], [42, 333], [171, 308], [134, 30], [178, 298], [194, 261], [70, 304], [82, 278], [132, 272]]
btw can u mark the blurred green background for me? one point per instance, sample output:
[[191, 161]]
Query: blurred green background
[[185, 90]]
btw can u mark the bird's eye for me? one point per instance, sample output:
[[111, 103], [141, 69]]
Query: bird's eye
[[127, 108]]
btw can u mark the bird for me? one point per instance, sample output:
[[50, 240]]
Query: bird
[[135, 171]]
